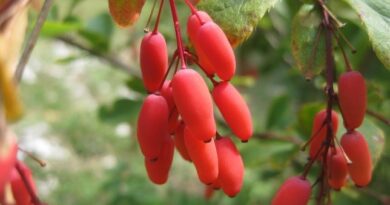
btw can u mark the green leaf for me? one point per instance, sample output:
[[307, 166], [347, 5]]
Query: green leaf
[[305, 117], [98, 31], [56, 28], [136, 84], [375, 16], [307, 43], [237, 18], [278, 113], [123, 110]]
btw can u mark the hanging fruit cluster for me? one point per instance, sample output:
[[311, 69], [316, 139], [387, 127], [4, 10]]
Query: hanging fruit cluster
[[179, 112], [338, 160], [16, 183]]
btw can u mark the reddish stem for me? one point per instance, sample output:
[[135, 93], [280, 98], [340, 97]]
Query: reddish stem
[[146, 29], [176, 25], [34, 198], [191, 6], [158, 17]]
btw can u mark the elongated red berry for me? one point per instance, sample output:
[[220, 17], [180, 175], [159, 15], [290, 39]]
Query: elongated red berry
[[158, 171], [193, 24], [152, 126], [212, 43], [8, 150], [357, 150], [231, 166], [193, 100], [294, 191], [234, 110], [319, 131], [352, 98], [337, 168], [203, 155], [154, 60], [19, 189], [179, 142]]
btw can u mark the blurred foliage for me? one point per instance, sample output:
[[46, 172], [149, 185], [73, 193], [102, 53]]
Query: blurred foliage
[[81, 111]]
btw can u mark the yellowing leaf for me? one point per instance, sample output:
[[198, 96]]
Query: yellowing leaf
[[12, 32], [125, 12]]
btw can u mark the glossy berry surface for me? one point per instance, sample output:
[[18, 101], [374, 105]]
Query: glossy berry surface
[[352, 98], [158, 170], [152, 126], [234, 110], [319, 131], [337, 168], [231, 166], [214, 45], [154, 60], [356, 148], [203, 155], [294, 191], [194, 103]]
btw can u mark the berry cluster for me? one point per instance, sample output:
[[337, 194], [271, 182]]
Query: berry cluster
[[16, 182], [179, 112], [349, 157]]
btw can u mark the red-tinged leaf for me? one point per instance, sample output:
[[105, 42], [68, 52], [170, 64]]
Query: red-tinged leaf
[[125, 12]]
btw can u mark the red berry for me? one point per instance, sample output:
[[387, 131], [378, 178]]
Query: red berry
[[231, 166], [154, 60], [204, 156], [294, 191], [152, 126], [193, 100], [19, 189], [356, 148], [166, 92], [179, 142], [158, 171], [212, 43], [193, 25], [352, 98], [173, 121], [8, 151], [194, 22], [234, 110], [319, 131], [337, 168]]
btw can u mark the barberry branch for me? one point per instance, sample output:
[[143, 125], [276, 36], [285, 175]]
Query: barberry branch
[[378, 116], [116, 63], [32, 41]]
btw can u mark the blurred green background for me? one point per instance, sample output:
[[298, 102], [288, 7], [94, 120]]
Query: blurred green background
[[81, 109]]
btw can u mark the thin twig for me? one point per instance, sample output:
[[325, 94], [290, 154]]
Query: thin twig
[[378, 116], [109, 59], [273, 136], [32, 40]]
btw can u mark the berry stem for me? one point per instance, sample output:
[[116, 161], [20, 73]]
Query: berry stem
[[192, 8], [33, 157], [346, 61], [146, 29], [34, 198], [176, 25], [158, 17]]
